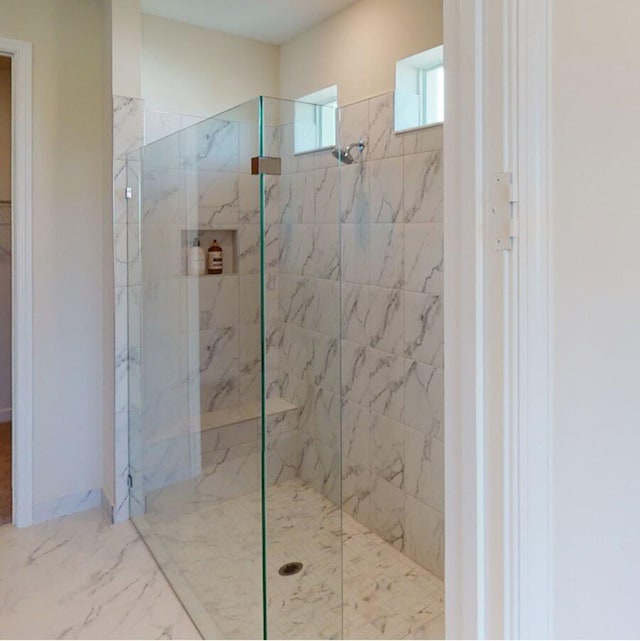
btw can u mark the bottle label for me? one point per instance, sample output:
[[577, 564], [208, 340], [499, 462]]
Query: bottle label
[[215, 261]]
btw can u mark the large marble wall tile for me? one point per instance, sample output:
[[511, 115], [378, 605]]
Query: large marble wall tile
[[388, 512], [355, 312], [326, 250], [424, 468], [219, 301], [210, 145], [163, 198], [293, 201], [123, 176], [218, 395], [384, 323], [297, 250], [388, 450], [249, 140], [249, 198], [162, 255], [228, 436], [387, 255], [386, 193], [353, 125], [387, 379], [321, 194], [164, 304], [327, 318], [383, 142], [356, 434], [423, 257], [325, 407], [355, 373], [297, 296], [356, 491], [249, 249], [436, 401], [423, 187], [272, 248], [249, 297], [354, 193], [128, 125], [424, 328], [424, 539], [325, 362], [219, 198], [422, 386], [272, 212], [219, 354], [120, 255], [296, 352], [166, 461], [282, 458], [250, 352], [423, 139], [249, 390], [355, 251]]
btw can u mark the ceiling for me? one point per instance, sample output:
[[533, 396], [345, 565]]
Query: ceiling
[[273, 21]]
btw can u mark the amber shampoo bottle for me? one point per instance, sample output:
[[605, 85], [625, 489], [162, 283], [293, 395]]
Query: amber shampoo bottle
[[214, 258]]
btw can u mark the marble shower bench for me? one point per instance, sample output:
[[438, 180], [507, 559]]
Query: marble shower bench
[[233, 432]]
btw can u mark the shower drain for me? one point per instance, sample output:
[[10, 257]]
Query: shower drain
[[289, 569]]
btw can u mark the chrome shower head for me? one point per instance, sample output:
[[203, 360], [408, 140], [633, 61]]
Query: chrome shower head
[[344, 154]]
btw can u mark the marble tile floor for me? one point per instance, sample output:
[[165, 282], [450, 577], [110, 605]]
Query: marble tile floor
[[80, 578], [213, 558]]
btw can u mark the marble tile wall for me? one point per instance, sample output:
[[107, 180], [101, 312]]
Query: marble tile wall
[[309, 311], [392, 337], [354, 310]]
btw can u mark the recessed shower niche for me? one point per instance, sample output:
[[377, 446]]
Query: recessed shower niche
[[226, 238]]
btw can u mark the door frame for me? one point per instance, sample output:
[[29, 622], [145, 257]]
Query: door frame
[[497, 586], [22, 278]]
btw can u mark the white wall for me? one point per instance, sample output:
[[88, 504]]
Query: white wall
[[5, 240], [68, 210], [358, 48], [126, 52], [192, 70], [596, 278]]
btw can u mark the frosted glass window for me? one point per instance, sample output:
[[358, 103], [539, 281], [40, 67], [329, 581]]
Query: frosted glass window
[[315, 120], [419, 96]]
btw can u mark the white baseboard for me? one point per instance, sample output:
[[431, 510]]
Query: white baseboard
[[67, 505], [5, 415]]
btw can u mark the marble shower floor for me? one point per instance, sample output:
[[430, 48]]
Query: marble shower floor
[[213, 558], [80, 578]]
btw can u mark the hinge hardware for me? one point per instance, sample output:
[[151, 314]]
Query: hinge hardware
[[128, 193], [266, 165], [503, 221], [129, 481]]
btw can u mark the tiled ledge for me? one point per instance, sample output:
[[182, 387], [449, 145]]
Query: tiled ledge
[[242, 413]]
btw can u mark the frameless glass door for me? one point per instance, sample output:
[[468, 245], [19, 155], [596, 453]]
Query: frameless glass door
[[195, 368], [234, 373]]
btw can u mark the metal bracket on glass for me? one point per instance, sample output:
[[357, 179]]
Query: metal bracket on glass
[[266, 165]]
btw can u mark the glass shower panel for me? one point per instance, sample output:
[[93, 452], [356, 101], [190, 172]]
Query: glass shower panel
[[195, 369], [302, 465]]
